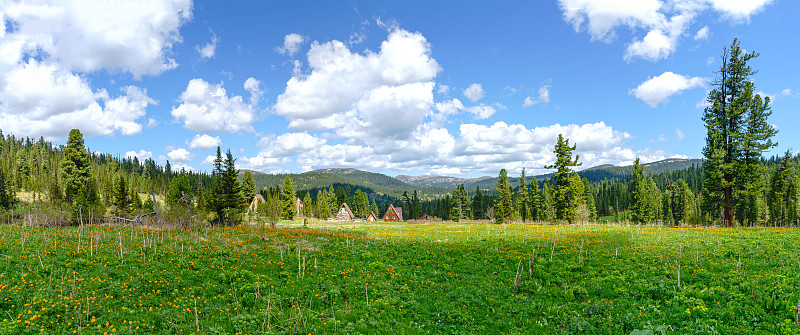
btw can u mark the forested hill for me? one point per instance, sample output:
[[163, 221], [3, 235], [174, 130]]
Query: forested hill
[[593, 174], [373, 184]]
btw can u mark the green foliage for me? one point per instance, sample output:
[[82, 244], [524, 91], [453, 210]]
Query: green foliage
[[248, 187], [568, 193], [461, 205], [288, 207], [225, 199], [413, 278], [7, 197], [122, 198], [308, 206], [504, 205], [646, 202], [737, 134], [784, 195]]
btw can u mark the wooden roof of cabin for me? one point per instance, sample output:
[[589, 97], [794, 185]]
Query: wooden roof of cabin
[[349, 212], [397, 211]]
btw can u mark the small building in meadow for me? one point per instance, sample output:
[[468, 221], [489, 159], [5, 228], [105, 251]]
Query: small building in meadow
[[393, 214], [257, 201], [372, 217], [344, 213]]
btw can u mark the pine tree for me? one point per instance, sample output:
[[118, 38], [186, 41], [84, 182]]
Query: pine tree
[[322, 204], [308, 206], [504, 204], [546, 210], [737, 135], [121, 197], [374, 208], [567, 195], [248, 187], [288, 207], [783, 195], [75, 168], [6, 191], [522, 198], [416, 209]]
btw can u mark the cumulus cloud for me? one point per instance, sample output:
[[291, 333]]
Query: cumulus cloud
[[204, 142], [665, 22], [443, 89], [388, 92], [207, 50], [544, 97], [253, 86], [474, 92], [208, 108], [679, 134], [702, 34], [481, 111], [656, 90], [291, 44], [142, 155], [180, 155], [42, 89], [477, 148]]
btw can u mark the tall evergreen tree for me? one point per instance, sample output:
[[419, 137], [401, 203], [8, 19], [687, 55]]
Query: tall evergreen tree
[[75, 168], [504, 206], [522, 198], [248, 187], [288, 207], [6, 191], [737, 135], [374, 208], [784, 193], [568, 195], [121, 194]]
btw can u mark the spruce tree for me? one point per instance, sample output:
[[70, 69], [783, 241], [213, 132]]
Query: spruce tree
[[75, 168], [288, 207], [248, 187], [374, 208], [308, 206], [504, 205], [6, 192], [567, 195], [522, 198], [783, 195], [121, 197], [737, 135]]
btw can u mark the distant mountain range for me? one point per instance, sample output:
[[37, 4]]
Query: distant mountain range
[[596, 173], [380, 185]]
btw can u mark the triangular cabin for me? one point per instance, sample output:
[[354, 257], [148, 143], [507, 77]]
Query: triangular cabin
[[344, 213], [258, 200], [372, 217], [393, 214]]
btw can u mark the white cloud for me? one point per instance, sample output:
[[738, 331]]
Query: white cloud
[[288, 144], [477, 148], [252, 85], [142, 155], [772, 96], [544, 97], [389, 92], [43, 91], [42, 100], [665, 22], [209, 160], [291, 44], [656, 90], [207, 51], [207, 108], [114, 35], [739, 9], [702, 34], [474, 92], [679, 134], [443, 89], [481, 111], [180, 155], [204, 142]]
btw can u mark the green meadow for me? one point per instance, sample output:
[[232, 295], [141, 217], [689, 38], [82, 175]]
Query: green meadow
[[399, 278]]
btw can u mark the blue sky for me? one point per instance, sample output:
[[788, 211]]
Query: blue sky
[[411, 87]]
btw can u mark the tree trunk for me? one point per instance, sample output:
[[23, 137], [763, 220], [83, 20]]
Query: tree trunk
[[728, 208]]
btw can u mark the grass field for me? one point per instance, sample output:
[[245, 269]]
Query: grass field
[[399, 278]]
